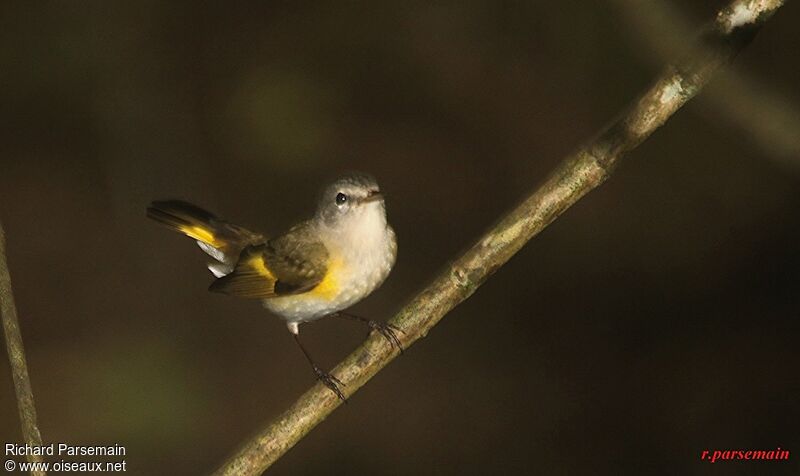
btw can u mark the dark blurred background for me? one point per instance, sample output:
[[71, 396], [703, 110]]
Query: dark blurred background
[[656, 319]]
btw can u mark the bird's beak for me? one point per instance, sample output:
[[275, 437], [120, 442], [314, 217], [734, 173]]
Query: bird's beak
[[372, 196]]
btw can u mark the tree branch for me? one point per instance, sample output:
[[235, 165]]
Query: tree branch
[[742, 100], [578, 174], [16, 356]]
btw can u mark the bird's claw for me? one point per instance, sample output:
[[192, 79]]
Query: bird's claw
[[331, 382], [388, 331]]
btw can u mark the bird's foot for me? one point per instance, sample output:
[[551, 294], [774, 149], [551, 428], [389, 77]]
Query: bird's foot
[[388, 331], [331, 382]]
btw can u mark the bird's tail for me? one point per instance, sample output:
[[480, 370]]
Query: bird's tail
[[221, 240]]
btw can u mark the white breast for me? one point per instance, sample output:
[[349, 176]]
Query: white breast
[[362, 252]]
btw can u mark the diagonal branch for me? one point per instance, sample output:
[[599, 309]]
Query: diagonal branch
[[578, 174], [742, 100], [16, 356]]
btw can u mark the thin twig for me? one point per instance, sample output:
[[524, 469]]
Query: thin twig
[[16, 356], [578, 174], [748, 103]]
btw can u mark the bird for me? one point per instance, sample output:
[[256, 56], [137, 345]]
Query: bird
[[319, 267]]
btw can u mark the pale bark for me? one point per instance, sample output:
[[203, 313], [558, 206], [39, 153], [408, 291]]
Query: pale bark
[[16, 356]]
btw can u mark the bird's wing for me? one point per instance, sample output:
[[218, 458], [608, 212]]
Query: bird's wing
[[289, 264]]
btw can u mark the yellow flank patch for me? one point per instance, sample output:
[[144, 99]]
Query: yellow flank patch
[[200, 233], [329, 287], [257, 263]]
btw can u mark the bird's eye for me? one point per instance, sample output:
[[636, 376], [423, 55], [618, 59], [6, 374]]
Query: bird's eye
[[341, 198]]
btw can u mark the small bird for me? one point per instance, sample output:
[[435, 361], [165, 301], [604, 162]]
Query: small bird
[[318, 268]]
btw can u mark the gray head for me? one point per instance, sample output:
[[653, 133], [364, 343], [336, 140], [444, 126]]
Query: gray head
[[351, 198]]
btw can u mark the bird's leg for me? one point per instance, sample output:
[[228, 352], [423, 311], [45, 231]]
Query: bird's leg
[[327, 379], [388, 331]]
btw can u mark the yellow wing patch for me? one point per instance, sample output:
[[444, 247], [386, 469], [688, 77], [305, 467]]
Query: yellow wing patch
[[257, 263], [329, 287], [250, 279], [278, 269]]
